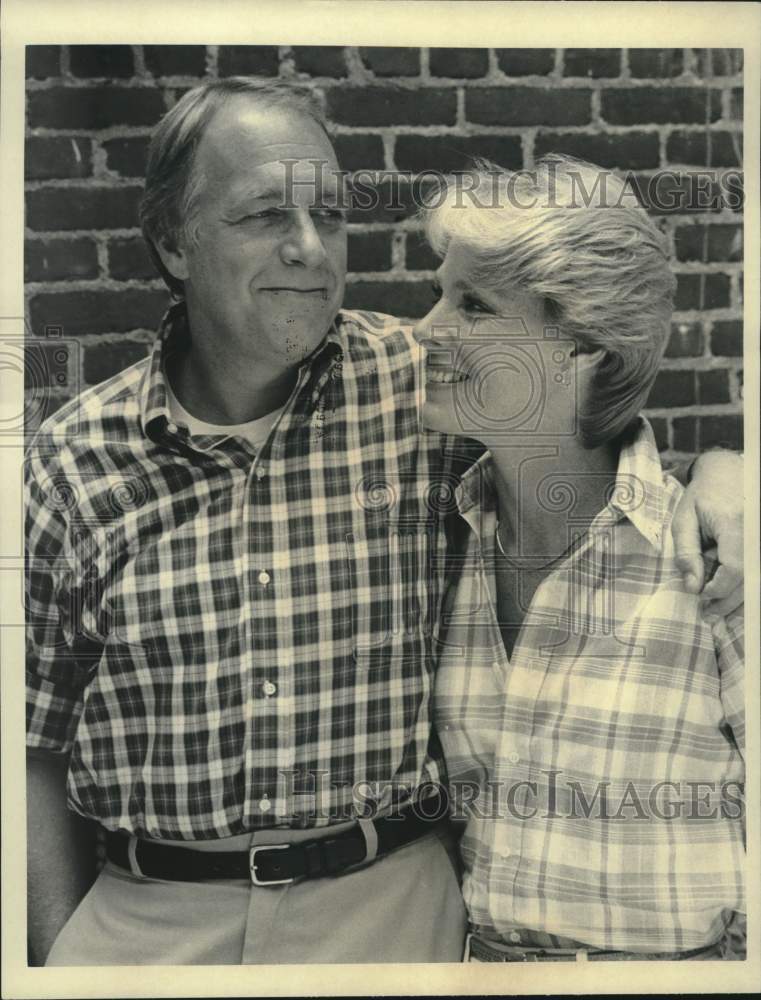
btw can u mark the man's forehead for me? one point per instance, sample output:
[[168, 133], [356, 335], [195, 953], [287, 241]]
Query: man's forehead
[[245, 135]]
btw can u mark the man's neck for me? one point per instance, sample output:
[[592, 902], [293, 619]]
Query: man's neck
[[214, 389], [547, 493]]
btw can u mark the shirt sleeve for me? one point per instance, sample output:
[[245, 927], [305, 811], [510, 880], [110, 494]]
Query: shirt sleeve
[[57, 658], [729, 637]]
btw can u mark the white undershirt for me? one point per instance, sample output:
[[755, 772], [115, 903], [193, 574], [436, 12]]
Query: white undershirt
[[254, 431]]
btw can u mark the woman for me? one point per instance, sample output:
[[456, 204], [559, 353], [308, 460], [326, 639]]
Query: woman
[[590, 712]]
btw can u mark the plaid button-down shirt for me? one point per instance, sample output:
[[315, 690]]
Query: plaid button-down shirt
[[227, 639], [600, 767]]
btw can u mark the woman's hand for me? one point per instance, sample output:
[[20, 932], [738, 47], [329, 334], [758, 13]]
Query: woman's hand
[[711, 510]]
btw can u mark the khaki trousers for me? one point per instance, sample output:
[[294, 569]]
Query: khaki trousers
[[405, 907]]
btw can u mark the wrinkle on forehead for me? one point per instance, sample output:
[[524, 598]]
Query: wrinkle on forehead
[[242, 135]]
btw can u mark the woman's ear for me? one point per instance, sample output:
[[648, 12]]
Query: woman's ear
[[586, 359], [173, 257]]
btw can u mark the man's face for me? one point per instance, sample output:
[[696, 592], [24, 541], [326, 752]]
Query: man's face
[[263, 280]]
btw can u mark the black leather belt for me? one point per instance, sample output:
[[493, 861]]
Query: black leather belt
[[277, 864], [487, 951]]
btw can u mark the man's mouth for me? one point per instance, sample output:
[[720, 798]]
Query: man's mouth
[[291, 290]]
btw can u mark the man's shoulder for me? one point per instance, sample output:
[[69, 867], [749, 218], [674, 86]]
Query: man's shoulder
[[376, 329], [107, 411]]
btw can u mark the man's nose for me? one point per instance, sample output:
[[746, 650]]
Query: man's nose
[[303, 244]]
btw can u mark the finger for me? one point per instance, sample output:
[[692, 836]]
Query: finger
[[726, 605], [686, 534], [723, 583]]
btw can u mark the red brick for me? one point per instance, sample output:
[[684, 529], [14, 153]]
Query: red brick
[[660, 105], [701, 291], [736, 104], [453, 153], [709, 243], [320, 60], [244, 60], [592, 62], [97, 311], [418, 255], [686, 341], [101, 60], [713, 387], [54, 208], [391, 61], [46, 158], [727, 338], [672, 388], [685, 435], [403, 299], [656, 63], [359, 152], [104, 360], [718, 62], [692, 148], [390, 200], [94, 108], [528, 106], [632, 151], [721, 432], [470, 63], [370, 251], [670, 192], [129, 258], [43, 61], [175, 60], [526, 62], [379, 105], [127, 156], [58, 260]]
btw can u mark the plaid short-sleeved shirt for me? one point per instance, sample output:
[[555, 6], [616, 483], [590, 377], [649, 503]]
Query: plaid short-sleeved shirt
[[600, 767], [226, 639]]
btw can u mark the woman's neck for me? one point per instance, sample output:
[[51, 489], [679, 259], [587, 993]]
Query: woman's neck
[[549, 493]]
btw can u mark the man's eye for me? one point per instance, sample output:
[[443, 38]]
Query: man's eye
[[332, 215], [264, 213]]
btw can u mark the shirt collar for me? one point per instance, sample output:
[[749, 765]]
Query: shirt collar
[[638, 494], [173, 332]]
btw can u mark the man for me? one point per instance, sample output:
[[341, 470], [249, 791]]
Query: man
[[235, 564]]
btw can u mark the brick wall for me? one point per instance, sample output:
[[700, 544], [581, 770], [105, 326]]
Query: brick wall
[[90, 110]]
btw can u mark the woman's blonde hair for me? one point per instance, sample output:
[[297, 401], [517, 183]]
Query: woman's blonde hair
[[575, 235]]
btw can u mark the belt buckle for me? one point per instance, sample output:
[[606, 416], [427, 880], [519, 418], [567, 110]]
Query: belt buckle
[[252, 863]]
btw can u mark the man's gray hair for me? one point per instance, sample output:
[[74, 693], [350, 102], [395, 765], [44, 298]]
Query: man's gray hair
[[172, 185]]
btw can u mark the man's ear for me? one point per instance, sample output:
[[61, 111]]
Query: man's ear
[[173, 257]]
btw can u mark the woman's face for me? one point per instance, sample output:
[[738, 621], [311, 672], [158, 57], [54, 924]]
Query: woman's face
[[496, 368]]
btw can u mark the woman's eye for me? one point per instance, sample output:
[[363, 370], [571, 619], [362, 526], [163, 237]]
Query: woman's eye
[[474, 305]]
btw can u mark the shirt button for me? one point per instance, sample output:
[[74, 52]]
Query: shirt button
[[513, 757], [264, 578], [269, 688], [265, 805], [505, 853], [261, 472], [515, 936]]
